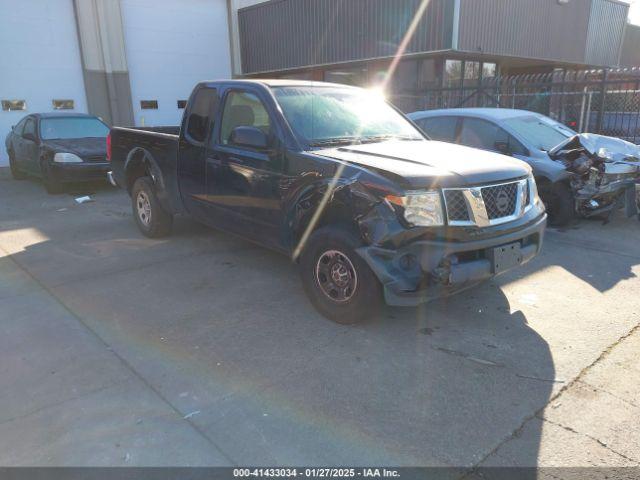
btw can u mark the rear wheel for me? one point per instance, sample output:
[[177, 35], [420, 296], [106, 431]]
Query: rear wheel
[[16, 173], [152, 219], [51, 185], [560, 204], [336, 279]]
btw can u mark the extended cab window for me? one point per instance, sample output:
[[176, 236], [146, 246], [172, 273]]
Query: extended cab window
[[243, 109], [202, 113], [442, 129]]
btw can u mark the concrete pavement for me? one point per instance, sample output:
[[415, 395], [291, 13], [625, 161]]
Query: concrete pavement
[[201, 349]]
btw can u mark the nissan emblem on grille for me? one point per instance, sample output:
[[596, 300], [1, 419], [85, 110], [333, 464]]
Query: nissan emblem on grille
[[502, 202]]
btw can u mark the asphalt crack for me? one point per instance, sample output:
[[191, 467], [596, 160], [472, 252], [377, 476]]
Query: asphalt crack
[[538, 414], [600, 442]]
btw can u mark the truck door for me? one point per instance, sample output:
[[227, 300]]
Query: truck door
[[242, 181], [197, 125]]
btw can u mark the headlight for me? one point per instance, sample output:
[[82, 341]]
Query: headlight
[[66, 158], [533, 192], [423, 209]]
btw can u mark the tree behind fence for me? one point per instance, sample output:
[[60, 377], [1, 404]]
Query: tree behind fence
[[597, 101]]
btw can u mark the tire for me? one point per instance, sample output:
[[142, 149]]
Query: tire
[[152, 219], [15, 171], [50, 184], [339, 283], [560, 204]]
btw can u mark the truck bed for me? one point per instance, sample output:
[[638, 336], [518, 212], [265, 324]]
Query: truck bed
[[159, 145]]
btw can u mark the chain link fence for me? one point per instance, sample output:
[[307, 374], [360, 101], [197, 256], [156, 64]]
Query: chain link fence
[[597, 101]]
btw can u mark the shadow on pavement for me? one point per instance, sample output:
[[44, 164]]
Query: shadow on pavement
[[271, 380]]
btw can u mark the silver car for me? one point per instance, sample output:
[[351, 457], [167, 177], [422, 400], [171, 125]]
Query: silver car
[[584, 174]]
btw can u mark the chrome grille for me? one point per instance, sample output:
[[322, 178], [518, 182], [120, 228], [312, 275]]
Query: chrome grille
[[487, 205], [456, 205], [500, 200]]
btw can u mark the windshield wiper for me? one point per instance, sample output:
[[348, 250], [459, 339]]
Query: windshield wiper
[[328, 142], [382, 138]]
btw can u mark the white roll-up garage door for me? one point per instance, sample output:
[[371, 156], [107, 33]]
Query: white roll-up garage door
[[170, 46], [40, 60]]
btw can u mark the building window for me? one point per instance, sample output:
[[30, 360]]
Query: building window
[[182, 104], [63, 104], [149, 104], [489, 70], [430, 73], [308, 75], [347, 76], [10, 105], [471, 73], [452, 73]]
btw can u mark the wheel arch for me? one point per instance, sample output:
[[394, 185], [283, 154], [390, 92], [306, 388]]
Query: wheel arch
[[140, 163]]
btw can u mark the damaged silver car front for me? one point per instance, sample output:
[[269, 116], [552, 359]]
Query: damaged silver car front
[[605, 173]]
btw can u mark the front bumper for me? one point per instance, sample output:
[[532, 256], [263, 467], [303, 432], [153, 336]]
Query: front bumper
[[424, 270], [79, 172]]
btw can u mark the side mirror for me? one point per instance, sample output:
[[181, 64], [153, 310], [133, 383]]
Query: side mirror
[[29, 136], [251, 137], [503, 147]]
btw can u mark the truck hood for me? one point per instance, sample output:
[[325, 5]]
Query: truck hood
[[430, 164]]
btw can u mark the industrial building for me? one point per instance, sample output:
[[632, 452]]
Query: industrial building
[[134, 62]]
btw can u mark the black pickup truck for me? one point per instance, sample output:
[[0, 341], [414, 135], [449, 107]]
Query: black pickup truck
[[340, 181]]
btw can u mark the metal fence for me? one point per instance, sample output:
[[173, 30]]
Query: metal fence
[[597, 101]]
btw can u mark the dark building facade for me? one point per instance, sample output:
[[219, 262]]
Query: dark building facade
[[455, 42], [630, 56]]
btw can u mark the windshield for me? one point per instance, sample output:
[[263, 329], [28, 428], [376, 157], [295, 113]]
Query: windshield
[[334, 115], [72, 127], [539, 132]]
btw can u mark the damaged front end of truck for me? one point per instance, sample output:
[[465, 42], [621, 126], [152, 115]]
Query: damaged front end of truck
[[416, 263], [604, 171]]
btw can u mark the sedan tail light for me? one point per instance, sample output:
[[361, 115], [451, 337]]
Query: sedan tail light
[[109, 147]]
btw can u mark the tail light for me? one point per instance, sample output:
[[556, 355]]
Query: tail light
[[109, 147]]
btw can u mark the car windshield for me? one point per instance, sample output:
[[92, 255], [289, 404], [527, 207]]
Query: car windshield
[[72, 127], [540, 132], [333, 115]]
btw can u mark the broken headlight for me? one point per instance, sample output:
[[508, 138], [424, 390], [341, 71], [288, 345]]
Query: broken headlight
[[422, 209]]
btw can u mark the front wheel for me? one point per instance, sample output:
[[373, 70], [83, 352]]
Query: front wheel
[[336, 279], [152, 219], [560, 204]]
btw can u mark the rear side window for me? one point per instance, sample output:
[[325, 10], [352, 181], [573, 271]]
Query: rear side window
[[478, 133], [243, 109], [482, 134], [30, 127], [20, 126], [202, 114], [442, 128]]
